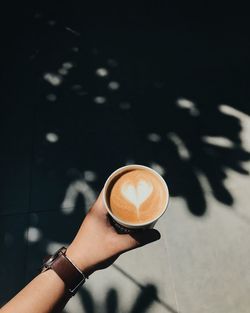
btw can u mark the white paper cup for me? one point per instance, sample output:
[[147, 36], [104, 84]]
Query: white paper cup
[[121, 225]]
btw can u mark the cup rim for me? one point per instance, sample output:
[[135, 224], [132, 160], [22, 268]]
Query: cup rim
[[135, 166]]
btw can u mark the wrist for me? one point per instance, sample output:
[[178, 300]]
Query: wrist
[[80, 259], [64, 267]]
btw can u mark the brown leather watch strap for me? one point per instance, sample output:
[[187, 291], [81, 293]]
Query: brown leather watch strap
[[67, 271]]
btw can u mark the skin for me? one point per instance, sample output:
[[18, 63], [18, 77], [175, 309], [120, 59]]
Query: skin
[[96, 246]]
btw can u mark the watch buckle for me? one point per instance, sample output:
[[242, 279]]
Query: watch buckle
[[74, 290]]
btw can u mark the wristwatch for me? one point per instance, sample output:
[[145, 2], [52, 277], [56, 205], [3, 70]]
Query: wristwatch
[[72, 276]]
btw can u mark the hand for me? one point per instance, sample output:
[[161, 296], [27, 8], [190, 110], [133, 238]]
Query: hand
[[97, 244]]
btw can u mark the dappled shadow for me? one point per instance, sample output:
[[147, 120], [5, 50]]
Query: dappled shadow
[[143, 301], [103, 101], [146, 297], [99, 99]]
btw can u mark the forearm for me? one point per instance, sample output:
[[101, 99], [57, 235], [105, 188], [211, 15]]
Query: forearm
[[46, 293], [95, 247]]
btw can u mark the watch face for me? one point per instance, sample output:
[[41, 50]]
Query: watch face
[[48, 263], [50, 260]]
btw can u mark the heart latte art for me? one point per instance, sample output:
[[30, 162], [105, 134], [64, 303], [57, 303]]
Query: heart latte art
[[138, 193], [138, 196]]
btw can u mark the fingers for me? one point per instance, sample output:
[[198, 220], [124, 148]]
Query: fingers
[[132, 240], [138, 239]]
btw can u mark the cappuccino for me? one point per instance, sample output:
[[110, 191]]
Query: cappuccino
[[136, 196]]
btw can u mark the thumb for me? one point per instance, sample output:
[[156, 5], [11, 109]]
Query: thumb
[[139, 239]]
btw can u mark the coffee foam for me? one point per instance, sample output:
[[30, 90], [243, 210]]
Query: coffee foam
[[137, 196]]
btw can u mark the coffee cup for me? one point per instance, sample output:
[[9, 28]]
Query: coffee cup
[[135, 197]]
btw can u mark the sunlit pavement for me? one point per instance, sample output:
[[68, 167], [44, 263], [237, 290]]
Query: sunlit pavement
[[78, 105]]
